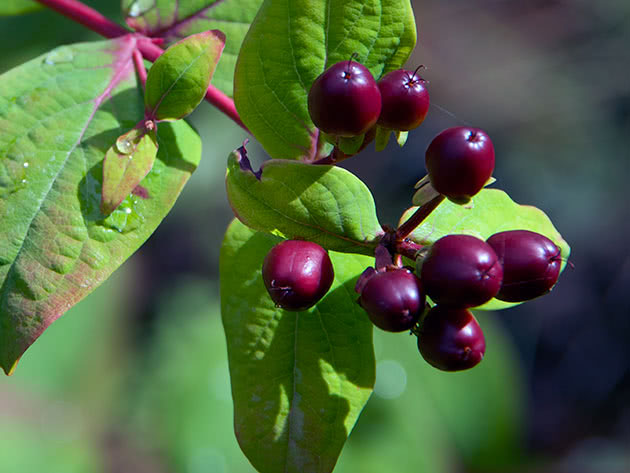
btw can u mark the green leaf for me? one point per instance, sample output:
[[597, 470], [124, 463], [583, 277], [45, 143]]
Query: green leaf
[[126, 163], [401, 137], [491, 211], [18, 7], [174, 20], [291, 42], [178, 80], [382, 138], [60, 113], [466, 421], [324, 204], [299, 379]]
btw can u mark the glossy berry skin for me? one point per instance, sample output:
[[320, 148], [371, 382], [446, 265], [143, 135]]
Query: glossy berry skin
[[297, 274], [461, 271], [394, 300], [460, 161], [344, 100], [451, 339], [531, 264], [405, 100]]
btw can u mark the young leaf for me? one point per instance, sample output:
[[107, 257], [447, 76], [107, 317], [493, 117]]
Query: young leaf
[[324, 204], [18, 7], [491, 211], [126, 163], [59, 114], [299, 379], [290, 43], [178, 80], [174, 20]]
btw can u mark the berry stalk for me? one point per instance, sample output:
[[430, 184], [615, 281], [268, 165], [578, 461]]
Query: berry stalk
[[418, 217]]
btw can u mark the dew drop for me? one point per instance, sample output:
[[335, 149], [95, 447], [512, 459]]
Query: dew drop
[[63, 54], [124, 146]]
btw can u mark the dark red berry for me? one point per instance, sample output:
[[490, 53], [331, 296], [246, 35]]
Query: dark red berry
[[460, 161], [451, 339], [297, 274], [461, 271], [405, 100], [531, 264], [344, 100], [394, 299]]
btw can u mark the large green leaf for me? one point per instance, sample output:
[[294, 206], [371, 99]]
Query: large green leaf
[[324, 204], [291, 42], [178, 80], [18, 7], [491, 211], [465, 421], [59, 114], [299, 379], [174, 20]]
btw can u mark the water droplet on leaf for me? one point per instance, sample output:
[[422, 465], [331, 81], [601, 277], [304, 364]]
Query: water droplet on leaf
[[124, 146], [62, 54]]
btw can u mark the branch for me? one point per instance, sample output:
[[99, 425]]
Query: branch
[[90, 18]]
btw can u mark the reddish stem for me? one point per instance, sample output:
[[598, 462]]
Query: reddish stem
[[140, 69], [87, 16], [90, 18], [408, 249], [217, 98], [418, 217]]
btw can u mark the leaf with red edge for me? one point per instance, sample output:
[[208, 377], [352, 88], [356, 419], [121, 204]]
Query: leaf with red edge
[[126, 163], [174, 20], [59, 114]]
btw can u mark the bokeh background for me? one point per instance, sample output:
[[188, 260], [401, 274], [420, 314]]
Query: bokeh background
[[135, 379]]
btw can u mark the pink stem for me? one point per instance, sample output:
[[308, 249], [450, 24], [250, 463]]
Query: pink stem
[[87, 16], [102, 25], [217, 98], [408, 248], [140, 69], [418, 217]]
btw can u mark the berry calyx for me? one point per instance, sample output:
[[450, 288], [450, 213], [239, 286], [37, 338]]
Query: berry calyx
[[531, 264], [451, 339], [297, 274], [344, 100], [394, 299], [405, 100], [461, 271], [459, 162]]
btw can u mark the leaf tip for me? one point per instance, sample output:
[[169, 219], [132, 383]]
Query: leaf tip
[[243, 160], [10, 369]]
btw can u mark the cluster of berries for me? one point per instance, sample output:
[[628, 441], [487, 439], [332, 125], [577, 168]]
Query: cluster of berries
[[346, 101], [457, 272]]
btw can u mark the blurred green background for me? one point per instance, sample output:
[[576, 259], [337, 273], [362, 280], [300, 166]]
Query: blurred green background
[[134, 378]]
